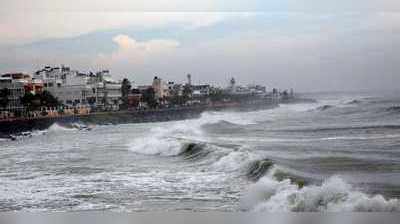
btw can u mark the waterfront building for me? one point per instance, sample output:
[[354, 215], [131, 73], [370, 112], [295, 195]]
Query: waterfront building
[[77, 89], [134, 99], [189, 79], [68, 86], [107, 91], [12, 87], [232, 86], [160, 88], [35, 86], [200, 90]]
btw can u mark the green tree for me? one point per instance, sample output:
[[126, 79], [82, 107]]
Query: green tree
[[125, 90], [33, 102], [217, 95], [149, 97], [4, 94], [48, 100], [187, 92], [30, 101]]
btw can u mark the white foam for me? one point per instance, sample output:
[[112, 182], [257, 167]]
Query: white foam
[[239, 118], [334, 195], [235, 160], [168, 138], [153, 146], [56, 128]]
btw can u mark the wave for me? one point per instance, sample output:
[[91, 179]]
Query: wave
[[324, 107], [170, 138], [229, 118], [56, 127], [192, 151], [343, 128], [393, 109], [259, 168], [234, 160], [270, 194], [152, 146], [354, 102], [222, 125], [22, 135]]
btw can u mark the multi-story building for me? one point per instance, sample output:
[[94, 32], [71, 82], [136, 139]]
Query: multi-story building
[[69, 87], [73, 88], [107, 91], [200, 90], [12, 87], [160, 88]]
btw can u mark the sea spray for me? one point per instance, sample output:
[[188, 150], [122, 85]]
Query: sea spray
[[233, 161], [169, 138], [269, 194], [57, 127]]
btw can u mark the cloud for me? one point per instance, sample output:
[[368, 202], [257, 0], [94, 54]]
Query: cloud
[[344, 51], [127, 44], [25, 27], [199, 5], [133, 52]]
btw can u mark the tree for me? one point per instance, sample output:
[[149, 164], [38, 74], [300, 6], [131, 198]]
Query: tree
[[34, 102], [30, 101], [217, 95], [187, 92], [48, 100], [4, 94], [149, 97], [125, 90]]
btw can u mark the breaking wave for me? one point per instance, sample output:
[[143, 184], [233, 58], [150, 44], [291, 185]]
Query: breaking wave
[[324, 107], [393, 109], [233, 161], [354, 102], [270, 194], [192, 151], [173, 137], [150, 145], [68, 127], [258, 169], [58, 127], [345, 128]]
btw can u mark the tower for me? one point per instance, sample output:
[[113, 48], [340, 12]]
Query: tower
[[232, 85], [189, 79]]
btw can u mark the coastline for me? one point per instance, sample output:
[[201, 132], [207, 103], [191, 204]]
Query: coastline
[[20, 125]]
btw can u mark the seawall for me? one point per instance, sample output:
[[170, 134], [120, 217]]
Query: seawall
[[8, 127]]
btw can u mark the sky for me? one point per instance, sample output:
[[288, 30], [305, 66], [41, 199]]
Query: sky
[[307, 45]]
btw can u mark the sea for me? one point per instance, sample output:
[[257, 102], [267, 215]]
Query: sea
[[339, 153]]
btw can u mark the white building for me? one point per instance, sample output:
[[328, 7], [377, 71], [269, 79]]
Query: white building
[[201, 90], [107, 91], [73, 88], [69, 87], [160, 88], [14, 84]]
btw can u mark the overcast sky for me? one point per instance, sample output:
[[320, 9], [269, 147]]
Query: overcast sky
[[309, 45]]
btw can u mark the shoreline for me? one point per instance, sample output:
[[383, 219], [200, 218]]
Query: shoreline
[[17, 126], [20, 125]]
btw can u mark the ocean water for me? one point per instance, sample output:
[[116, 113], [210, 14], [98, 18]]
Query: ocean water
[[341, 153]]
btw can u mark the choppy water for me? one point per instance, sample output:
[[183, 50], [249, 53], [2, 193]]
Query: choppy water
[[339, 154]]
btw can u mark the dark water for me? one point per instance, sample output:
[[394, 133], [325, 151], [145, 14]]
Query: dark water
[[339, 154]]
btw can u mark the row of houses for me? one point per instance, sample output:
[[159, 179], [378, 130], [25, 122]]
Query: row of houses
[[71, 87], [100, 91]]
